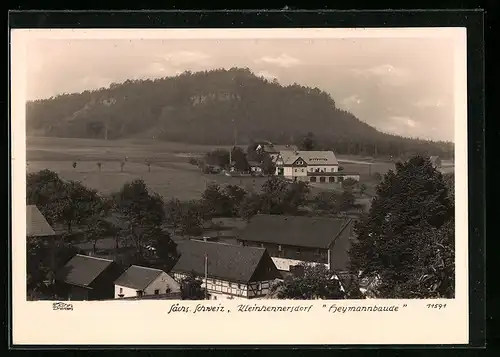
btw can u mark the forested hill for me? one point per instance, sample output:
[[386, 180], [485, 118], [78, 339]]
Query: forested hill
[[208, 108]]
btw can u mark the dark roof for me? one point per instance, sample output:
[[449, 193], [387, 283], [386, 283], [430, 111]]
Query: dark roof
[[339, 173], [82, 270], [36, 224], [299, 231], [137, 277], [227, 262]]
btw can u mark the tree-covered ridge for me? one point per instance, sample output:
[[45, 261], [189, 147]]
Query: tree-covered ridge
[[212, 107]]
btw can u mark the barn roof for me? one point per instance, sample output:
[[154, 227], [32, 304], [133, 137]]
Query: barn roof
[[82, 270], [298, 231], [36, 224], [138, 277], [226, 262]]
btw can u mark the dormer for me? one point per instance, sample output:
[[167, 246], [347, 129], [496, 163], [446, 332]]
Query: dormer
[[299, 162]]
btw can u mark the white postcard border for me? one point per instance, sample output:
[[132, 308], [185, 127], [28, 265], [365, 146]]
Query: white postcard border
[[147, 322]]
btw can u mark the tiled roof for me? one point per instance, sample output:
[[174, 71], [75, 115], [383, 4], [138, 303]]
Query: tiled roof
[[298, 231], [227, 262], [310, 157], [36, 224], [137, 277], [82, 270]]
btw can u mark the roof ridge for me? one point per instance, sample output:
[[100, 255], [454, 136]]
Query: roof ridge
[[223, 244], [143, 267], [91, 257]]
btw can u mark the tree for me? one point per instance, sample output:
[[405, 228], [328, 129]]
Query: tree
[[122, 165], [250, 206], [326, 201], [346, 200], [142, 214], [362, 188], [191, 288], [349, 183], [240, 160], [74, 164], [309, 142], [173, 214], [192, 217], [76, 204], [235, 195], [43, 189], [218, 157], [268, 167], [315, 282], [99, 165], [407, 239], [165, 251], [377, 176], [37, 268], [216, 201], [61, 202]]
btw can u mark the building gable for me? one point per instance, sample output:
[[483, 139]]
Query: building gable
[[266, 270], [299, 162]]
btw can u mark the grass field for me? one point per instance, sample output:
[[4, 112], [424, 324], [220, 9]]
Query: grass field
[[170, 176]]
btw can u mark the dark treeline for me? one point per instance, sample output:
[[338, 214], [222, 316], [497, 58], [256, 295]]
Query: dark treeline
[[214, 107]]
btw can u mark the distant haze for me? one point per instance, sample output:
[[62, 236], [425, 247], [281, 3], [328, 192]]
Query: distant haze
[[399, 86]]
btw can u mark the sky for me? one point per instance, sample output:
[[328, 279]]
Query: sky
[[403, 86]]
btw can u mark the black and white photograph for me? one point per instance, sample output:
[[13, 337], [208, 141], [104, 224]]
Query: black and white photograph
[[253, 169]]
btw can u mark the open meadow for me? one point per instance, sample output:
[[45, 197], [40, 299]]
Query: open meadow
[[169, 174]]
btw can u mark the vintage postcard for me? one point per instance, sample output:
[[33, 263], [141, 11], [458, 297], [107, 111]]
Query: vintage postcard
[[271, 186]]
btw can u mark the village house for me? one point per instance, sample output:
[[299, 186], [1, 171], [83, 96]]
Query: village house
[[294, 240], [227, 271], [436, 161], [311, 166], [255, 167], [139, 281], [88, 278]]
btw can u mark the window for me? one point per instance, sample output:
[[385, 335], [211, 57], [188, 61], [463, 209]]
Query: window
[[230, 285], [333, 169], [322, 179], [316, 252], [157, 292], [331, 179], [279, 248], [302, 170], [139, 293], [121, 290], [313, 179], [168, 290], [298, 251], [239, 286]]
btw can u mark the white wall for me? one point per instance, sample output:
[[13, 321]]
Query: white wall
[[323, 168], [127, 292], [160, 283], [284, 264], [221, 289]]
